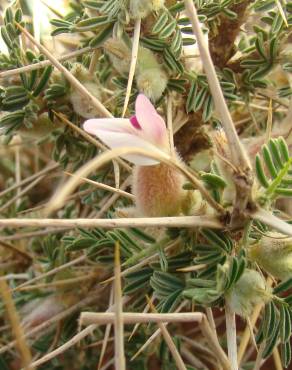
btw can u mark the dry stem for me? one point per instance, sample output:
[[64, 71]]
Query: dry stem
[[120, 361], [269, 219], [51, 272], [93, 296], [134, 57], [100, 185], [21, 192], [231, 336], [43, 64], [246, 334], [29, 179], [243, 176], [184, 221], [15, 250], [239, 156], [16, 326], [92, 99], [101, 318]]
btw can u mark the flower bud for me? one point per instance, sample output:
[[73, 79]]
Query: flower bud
[[151, 79], [152, 83], [40, 127], [157, 187], [274, 254], [251, 289], [142, 8], [78, 100]]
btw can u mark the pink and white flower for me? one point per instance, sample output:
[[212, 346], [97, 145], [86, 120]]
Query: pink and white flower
[[156, 186], [145, 130]]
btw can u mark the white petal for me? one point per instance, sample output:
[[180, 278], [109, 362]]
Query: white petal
[[95, 126], [120, 139]]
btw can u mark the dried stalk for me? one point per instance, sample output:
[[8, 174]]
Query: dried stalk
[[259, 359], [43, 64], [128, 318], [29, 179], [172, 348], [102, 318], [76, 339], [93, 296], [100, 185], [214, 343], [194, 361], [21, 193], [16, 326], [155, 334], [211, 320], [106, 334], [170, 124], [231, 336], [120, 362], [134, 57], [269, 219], [51, 272], [243, 176], [59, 283], [277, 359], [184, 221], [246, 334], [94, 59], [15, 250], [92, 99], [239, 156]]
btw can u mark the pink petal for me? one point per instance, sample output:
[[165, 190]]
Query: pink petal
[[119, 133], [135, 122], [152, 124]]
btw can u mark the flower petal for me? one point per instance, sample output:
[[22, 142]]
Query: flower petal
[[152, 124], [118, 133], [95, 126]]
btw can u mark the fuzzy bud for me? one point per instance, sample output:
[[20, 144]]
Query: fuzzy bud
[[152, 83], [151, 79], [251, 289], [79, 101], [158, 190], [40, 127], [142, 8], [274, 254]]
